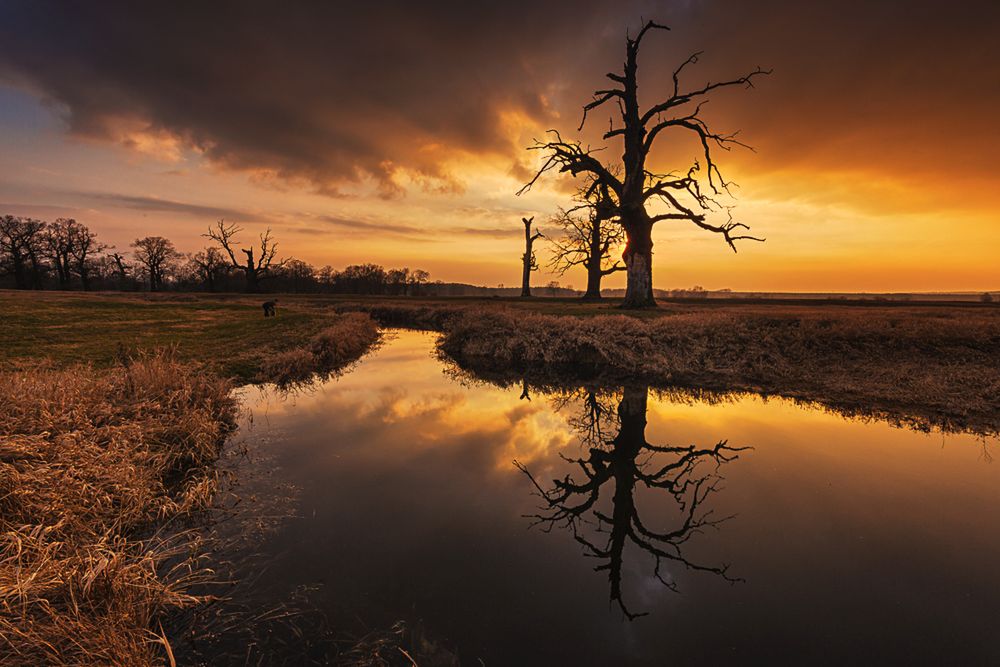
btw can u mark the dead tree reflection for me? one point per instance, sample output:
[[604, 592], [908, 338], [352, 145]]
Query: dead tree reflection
[[689, 475]]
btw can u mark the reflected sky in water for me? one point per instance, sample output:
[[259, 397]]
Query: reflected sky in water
[[845, 541]]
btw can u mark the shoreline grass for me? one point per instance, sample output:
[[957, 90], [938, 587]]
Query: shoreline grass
[[93, 468]]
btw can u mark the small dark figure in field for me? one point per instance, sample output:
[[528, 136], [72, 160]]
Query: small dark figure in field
[[269, 308]]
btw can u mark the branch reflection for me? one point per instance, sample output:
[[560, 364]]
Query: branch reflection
[[686, 474]]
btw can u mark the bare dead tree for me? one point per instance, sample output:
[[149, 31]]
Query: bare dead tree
[[628, 460], [121, 268], [157, 255], [254, 268], [683, 194], [528, 261], [589, 232]]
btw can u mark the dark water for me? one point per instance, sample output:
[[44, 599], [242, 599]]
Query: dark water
[[830, 541]]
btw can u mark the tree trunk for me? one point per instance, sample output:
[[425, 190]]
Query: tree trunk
[[253, 286], [638, 258], [20, 273], [594, 276], [526, 259], [593, 263], [526, 276]]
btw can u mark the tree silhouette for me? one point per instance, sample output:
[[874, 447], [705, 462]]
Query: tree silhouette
[[628, 460], [60, 239], [157, 255], [254, 268], [83, 253], [589, 233], [528, 261], [210, 265], [22, 245], [682, 194], [121, 269]]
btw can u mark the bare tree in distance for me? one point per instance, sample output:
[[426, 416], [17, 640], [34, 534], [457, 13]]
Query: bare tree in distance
[[22, 243], [681, 193], [589, 233], [60, 238], [84, 252], [528, 261], [254, 268], [157, 255], [210, 264], [121, 268]]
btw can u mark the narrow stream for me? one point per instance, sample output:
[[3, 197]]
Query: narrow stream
[[681, 531]]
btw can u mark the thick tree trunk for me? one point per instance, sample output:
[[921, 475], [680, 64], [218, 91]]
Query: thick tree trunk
[[627, 446], [253, 284], [638, 258], [20, 273], [594, 276]]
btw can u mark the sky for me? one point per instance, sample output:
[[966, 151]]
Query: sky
[[396, 132]]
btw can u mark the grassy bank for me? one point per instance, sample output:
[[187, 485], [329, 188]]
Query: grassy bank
[[113, 410], [93, 467]]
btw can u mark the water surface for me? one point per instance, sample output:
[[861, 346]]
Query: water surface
[[784, 533]]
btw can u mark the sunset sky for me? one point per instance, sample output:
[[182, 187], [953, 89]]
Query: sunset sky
[[395, 132]]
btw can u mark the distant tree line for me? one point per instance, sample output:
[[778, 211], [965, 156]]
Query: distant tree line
[[65, 254]]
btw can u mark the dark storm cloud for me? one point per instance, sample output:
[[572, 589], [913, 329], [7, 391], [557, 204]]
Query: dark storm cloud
[[334, 92]]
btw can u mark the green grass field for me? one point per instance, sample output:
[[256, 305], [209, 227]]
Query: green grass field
[[227, 334]]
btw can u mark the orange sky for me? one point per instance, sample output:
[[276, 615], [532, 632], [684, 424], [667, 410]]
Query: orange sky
[[875, 137]]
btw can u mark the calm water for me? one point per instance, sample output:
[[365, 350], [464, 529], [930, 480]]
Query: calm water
[[829, 541]]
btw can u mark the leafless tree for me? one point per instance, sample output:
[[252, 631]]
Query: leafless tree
[[690, 195], [589, 232], [628, 460], [209, 265], [157, 255], [255, 267], [22, 245], [121, 269], [84, 251], [528, 261], [60, 238]]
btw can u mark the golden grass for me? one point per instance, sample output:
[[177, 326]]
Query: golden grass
[[328, 351], [93, 465]]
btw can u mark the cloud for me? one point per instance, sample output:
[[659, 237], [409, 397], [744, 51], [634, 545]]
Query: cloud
[[168, 206], [403, 94]]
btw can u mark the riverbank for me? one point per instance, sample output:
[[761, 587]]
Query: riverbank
[[925, 367], [98, 471]]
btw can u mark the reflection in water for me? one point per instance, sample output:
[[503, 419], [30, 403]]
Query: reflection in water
[[686, 475], [858, 542]]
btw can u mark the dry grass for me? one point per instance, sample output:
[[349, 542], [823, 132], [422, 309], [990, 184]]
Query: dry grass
[[331, 349], [925, 369], [92, 468]]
